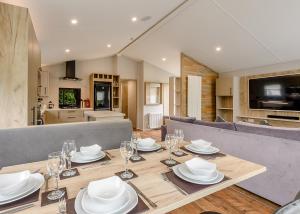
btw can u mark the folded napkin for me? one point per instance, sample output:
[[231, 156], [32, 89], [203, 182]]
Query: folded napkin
[[199, 166], [146, 142], [10, 183], [90, 150], [201, 143]]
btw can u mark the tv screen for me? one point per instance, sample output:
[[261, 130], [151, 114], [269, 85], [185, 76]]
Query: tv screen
[[69, 97], [277, 93]]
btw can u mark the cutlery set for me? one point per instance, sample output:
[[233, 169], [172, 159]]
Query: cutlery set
[[165, 178], [18, 209]]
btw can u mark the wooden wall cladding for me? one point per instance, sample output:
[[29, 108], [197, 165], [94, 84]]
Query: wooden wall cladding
[[190, 66], [244, 106]]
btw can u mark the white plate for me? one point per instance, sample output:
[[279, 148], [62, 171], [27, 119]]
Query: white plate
[[184, 170], [155, 146], [218, 179], [211, 151], [79, 158], [85, 206], [132, 202], [35, 182]]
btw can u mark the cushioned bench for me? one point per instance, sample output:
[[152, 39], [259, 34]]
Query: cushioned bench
[[34, 143]]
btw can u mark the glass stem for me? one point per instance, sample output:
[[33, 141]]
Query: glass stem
[[69, 163], [56, 180], [170, 153], [126, 162]]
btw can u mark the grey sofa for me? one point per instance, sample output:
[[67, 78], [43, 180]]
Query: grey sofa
[[279, 153], [29, 144]]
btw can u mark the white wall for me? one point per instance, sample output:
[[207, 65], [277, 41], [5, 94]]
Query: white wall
[[155, 74], [126, 67]]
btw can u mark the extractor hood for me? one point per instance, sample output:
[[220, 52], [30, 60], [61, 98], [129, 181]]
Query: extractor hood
[[70, 71]]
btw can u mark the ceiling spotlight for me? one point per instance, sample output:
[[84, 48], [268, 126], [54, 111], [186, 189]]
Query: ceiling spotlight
[[74, 21], [164, 59], [67, 50], [134, 19], [108, 45], [218, 48]]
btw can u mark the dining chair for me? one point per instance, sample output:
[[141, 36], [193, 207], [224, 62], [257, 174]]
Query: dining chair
[[292, 207]]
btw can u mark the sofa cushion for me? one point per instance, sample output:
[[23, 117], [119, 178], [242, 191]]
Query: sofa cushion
[[280, 132], [220, 125], [183, 119]]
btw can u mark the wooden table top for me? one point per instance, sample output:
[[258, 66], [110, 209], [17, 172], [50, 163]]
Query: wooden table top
[[149, 179]]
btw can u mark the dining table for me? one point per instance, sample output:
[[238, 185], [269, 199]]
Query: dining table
[[149, 180]]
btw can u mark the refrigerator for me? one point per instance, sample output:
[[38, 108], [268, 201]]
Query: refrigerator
[[102, 96]]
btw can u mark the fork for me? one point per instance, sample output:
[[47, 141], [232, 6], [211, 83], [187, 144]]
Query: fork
[[165, 178]]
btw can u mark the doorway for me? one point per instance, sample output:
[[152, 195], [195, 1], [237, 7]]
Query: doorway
[[129, 100]]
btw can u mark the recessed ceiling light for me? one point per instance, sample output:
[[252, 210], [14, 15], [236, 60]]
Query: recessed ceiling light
[[74, 21], [108, 45], [67, 50], [164, 59], [218, 48], [134, 19]]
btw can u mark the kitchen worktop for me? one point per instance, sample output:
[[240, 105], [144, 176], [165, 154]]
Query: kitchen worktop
[[68, 109], [103, 114]]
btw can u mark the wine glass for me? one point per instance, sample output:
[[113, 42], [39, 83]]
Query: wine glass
[[68, 149], [179, 136], [55, 166], [134, 140], [170, 143], [126, 151]]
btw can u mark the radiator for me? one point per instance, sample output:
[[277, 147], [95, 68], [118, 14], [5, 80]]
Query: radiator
[[155, 120]]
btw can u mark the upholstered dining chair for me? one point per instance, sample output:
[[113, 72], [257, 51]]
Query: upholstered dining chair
[[291, 208]]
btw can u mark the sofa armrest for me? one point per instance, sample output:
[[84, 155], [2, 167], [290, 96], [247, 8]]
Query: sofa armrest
[[164, 131]]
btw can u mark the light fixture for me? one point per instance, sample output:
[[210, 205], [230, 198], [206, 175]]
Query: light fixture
[[218, 48], [108, 45], [74, 21], [134, 19], [67, 50], [164, 59]]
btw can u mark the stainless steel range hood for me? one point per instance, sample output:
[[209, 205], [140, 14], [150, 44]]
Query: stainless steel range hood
[[70, 71]]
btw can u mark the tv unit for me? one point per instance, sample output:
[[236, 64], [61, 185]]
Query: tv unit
[[69, 97], [275, 93]]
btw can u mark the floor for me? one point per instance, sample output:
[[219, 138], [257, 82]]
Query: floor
[[232, 200]]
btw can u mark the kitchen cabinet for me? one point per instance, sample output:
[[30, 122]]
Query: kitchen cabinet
[[224, 86], [53, 116]]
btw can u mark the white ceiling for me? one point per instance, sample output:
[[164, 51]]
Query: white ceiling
[[252, 33], [99, 22]]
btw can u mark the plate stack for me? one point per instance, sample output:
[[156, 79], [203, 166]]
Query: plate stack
[[88, 154], [148, 145], [198, 171], [106, 196], [202, 147], [15, 186]]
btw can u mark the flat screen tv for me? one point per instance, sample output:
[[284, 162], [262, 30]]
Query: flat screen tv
[[276, 93], [69, 97]]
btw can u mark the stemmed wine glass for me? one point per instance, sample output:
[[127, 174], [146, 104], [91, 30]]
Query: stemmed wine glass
[[170, 143], [180, 136], [68, 149], [126, 151], [134, 140], [55, 166]]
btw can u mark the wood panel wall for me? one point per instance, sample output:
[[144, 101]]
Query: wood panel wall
[[19, 63], [190, 66], [244, 105]]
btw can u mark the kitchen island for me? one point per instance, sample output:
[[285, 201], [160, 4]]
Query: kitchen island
[[103, 115]]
